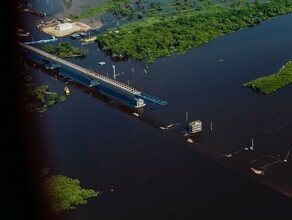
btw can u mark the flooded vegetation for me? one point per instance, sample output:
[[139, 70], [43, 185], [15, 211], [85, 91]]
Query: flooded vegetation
[[189, 25], [65, 193], [146, 159], [38, 97], [64, 50], [271, 83]]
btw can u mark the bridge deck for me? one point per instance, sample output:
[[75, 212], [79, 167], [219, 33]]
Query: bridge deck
[[97, 76], [88, 72]]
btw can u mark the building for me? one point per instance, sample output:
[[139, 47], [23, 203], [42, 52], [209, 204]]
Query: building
[[63, 26], [195, 126]]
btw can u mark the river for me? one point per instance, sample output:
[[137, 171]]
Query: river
[[149, 173]]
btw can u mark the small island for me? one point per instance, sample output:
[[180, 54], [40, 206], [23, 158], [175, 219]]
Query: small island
[[271, 83]]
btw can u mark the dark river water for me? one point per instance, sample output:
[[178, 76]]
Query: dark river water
[[148, 173]]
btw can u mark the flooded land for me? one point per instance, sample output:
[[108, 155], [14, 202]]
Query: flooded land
[[144, 160]]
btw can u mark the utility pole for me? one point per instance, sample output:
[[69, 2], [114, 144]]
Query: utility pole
[[114, 71], [133, 70]]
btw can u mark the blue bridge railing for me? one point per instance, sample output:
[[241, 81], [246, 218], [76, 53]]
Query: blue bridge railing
[[152, 99]]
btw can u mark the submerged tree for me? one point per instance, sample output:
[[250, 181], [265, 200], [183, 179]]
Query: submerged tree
[[65, 193], [64, 50]]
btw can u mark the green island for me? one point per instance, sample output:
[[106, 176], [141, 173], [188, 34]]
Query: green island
[[167, 28], [38, 98], [64, 193], [64, 50], [271, 83]]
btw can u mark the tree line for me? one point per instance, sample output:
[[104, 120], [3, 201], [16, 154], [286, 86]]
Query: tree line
[[166, 36]]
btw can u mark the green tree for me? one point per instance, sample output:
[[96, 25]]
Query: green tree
[[40, 93], [65, 193], [62, 98]]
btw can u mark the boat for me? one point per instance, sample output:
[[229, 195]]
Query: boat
[[228, 155], [258, 172], [286, 158], [66, 90], [101, 63], [251, 148], [190, 140], [169, 126], [88, 40]]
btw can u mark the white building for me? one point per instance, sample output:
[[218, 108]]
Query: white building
[[195, 126], [64, 26]]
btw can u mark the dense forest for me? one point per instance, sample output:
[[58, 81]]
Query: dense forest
[[167, 29]]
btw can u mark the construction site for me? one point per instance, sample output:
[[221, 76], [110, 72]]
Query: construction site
[[63, 27]]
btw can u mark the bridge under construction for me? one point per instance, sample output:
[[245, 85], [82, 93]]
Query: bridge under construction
[[91, 78]]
